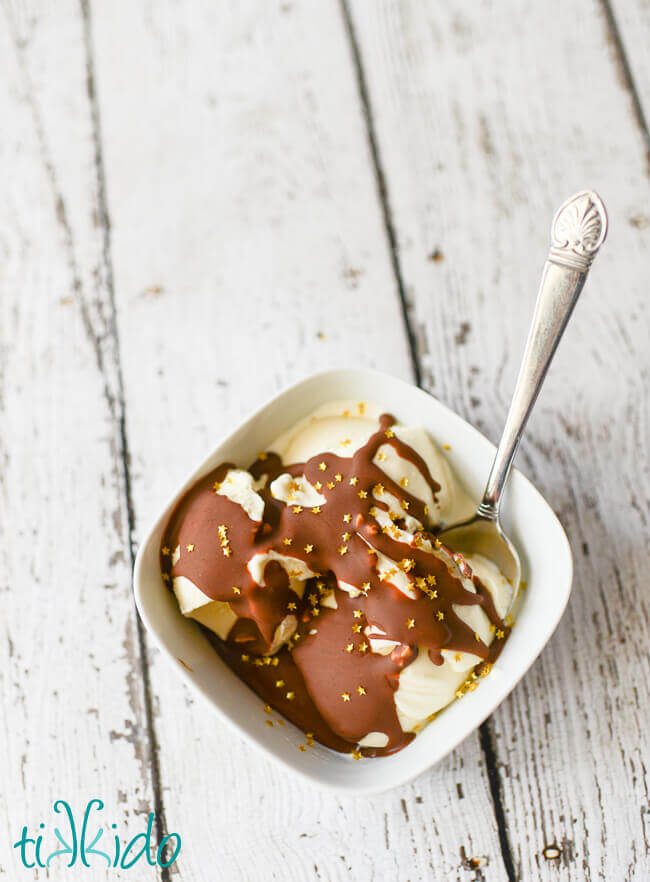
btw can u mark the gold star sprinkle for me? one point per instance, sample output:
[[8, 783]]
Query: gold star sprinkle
[[349, 647], [309, 548], [407, 564], [316, 509], [356, 755], [268, 709], [357, 613], [361, 407], [279, 684], [458, 657], [309, 735], [291, 605], [165, 550], [356, 629], [287, 541], [222, 530], [362, 647], [446, 446], [166, 577], [269, 723], [405, 504], [410, 623], [318, 485], [354, 481], [362, 494], [226, 552], [389, 433], [378, 489], [365, 586], [431, 579], [440, 615], [343, 550], [347, 518], [315, 611], [500, 634], [216, 486], [361, 690], [244, 657], [345, 442], [330, 485], [381, 457], [476, 637], [346, 537], [322, 466], [276, 661], [338, 477], [403, 482], [189, 547], [302, 748], [291, 696], [297, 509], [235, 590], [345, 696], [263, 456]]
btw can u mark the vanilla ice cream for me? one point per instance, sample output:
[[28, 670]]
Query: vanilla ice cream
[[318, 567]]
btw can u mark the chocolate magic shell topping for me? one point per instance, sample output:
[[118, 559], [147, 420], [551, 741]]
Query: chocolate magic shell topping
[[324, 676]]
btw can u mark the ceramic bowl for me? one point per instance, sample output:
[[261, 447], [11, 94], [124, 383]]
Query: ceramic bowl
[[528, 519]]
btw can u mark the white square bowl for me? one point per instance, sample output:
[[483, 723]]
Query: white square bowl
[[528, 519]]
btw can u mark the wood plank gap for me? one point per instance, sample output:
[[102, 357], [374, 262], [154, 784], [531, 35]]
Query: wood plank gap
[[382, 189], [621, 57], [120, 415], [489, 751], [485, 736]]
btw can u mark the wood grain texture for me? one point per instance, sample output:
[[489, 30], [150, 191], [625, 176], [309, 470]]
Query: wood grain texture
[[73, 718], [487, 116], [249, 249]]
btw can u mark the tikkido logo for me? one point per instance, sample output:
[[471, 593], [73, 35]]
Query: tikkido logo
[[80, 843]]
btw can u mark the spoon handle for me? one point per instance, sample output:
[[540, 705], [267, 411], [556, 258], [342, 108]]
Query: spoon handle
[[579, 229]]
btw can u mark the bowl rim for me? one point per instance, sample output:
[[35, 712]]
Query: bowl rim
[[310, 773]]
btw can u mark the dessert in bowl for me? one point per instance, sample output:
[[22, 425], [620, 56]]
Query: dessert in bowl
[[317, 580]]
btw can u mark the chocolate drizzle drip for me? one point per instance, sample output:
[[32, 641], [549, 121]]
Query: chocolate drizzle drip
[[338, 689]]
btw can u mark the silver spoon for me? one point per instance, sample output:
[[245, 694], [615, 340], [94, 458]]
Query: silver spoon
[[579, 229]]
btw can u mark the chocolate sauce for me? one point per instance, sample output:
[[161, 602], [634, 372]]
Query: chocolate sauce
[[326, 680]]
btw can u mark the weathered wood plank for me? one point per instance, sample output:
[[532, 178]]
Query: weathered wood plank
[[249, 249], [74, 722], [487, 116]]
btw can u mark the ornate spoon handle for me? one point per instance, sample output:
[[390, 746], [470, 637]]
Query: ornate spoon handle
[[579, 229]]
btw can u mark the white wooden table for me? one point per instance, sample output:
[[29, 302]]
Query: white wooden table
[[202, 201]]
